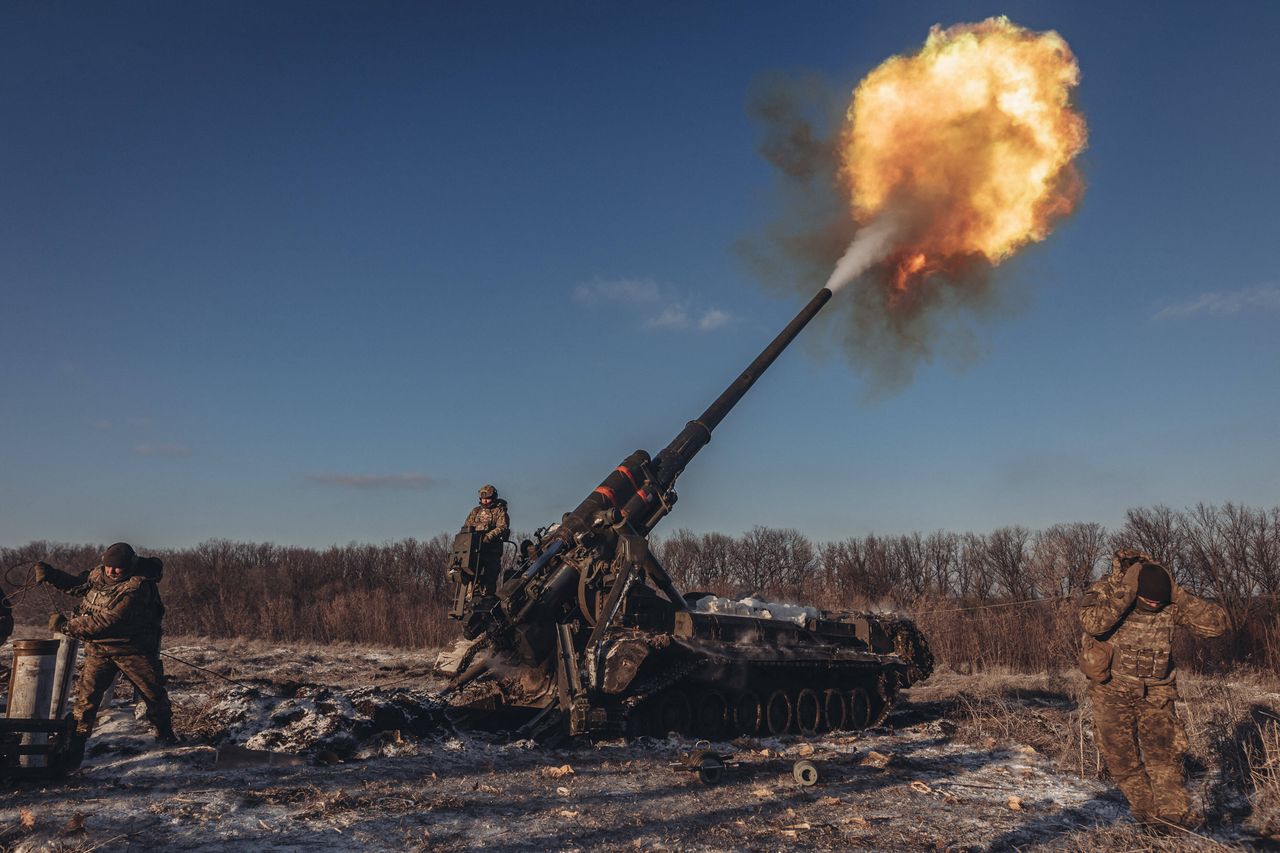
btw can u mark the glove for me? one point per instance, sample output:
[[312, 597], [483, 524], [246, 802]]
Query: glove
[[43, 570], [57, 623], [1131, 582]]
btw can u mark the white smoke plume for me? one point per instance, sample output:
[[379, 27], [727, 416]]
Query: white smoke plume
[[873, 244]]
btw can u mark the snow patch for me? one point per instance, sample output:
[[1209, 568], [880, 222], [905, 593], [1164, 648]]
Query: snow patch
[[756, 607]]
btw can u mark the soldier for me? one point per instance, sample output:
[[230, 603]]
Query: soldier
[[490, 517], [119, 621], [1129, 617]]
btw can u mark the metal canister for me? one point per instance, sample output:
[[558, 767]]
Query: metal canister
[[31, 682]]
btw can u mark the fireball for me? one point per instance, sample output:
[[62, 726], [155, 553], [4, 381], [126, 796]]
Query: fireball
[[969, 144]]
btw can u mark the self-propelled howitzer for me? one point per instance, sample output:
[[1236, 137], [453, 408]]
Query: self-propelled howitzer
[[587, 622]]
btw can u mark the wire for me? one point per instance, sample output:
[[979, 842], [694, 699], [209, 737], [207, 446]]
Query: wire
[[172, 656], [998, 604]]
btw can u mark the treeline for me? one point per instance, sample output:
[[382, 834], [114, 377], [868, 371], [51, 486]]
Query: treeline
[[392, 594], [1008, 597], [1002, 598]]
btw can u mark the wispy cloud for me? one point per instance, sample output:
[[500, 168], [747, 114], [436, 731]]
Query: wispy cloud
[[674, 316], [657, 307], [373, 481], [172, 450], [713, 318], [633, 291], [1222, 303]]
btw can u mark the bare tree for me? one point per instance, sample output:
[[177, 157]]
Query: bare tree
[[1007, 547], [1064, 556], [910, 565], [1157, 530], [773, 559], [844, 573], [974, 577], [1265, 552], [942, 558]]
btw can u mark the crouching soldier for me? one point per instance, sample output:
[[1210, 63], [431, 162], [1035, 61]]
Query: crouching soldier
[[119, 620], [1129, 618]]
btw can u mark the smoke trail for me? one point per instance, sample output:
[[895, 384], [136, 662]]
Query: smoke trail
[[871, 246]]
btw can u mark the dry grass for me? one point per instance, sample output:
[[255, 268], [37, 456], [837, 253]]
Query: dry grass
[[1232, 723]]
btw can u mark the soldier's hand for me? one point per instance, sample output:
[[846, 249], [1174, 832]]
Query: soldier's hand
[[42, 572], [1131, 581], [57, 623]]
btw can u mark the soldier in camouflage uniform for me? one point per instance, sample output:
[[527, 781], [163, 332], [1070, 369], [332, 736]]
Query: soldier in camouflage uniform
[[490, 517], [1130, 616], [119, 620]]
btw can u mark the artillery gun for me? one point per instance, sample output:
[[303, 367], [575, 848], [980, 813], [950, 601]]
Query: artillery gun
[[587, 634]]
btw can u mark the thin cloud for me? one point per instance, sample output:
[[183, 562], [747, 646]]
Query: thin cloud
[[1223, 303], [171, 450], [373, 481], [713, 318], [662, 308], [671, 317], [630, 291]]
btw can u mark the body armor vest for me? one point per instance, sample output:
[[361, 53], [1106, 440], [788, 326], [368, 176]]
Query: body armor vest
[[1143, 643], [100, 598]]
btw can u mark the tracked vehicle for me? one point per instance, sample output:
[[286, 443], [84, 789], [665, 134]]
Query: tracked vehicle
[[588, 635]]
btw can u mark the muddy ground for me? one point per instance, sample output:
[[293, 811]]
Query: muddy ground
[[357, 761]]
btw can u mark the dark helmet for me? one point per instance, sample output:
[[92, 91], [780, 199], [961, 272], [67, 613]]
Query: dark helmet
[[487, 491], [1154, 583], [120, 556]]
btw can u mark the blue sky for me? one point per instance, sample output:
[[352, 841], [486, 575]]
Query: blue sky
[[313, 272]]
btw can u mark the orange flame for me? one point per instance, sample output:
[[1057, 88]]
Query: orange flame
[[971, 139]]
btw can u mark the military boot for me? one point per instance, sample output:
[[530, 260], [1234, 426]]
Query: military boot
[[165, 735], [74, 756]]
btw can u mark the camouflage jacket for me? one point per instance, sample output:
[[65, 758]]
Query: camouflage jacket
[[121, 617], [1142, 641], [492, 520]]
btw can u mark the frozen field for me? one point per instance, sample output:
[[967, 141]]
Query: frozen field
[[358, 760]]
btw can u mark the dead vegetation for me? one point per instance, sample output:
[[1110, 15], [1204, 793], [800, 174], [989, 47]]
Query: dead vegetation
[[1233, 726], [999, 599]]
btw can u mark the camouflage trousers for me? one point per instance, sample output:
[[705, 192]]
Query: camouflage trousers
[[145, 672], [1142, 740], [490, 567]]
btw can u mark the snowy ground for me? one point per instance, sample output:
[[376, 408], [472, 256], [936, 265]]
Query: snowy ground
[[356, 765]]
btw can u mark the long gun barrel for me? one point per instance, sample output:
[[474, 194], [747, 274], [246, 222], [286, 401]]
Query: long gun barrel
[[628, 503], [696, 434]]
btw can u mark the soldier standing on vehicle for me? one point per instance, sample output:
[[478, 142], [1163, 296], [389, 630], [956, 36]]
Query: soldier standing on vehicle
[[1129, 617], [119, 620], [489, 518]]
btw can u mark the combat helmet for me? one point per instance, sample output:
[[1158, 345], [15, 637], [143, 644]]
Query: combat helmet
[[488, 491], [1125, 557]]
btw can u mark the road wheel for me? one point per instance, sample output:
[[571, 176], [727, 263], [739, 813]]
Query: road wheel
[[834, 714], [808, 712], [748, 714], [859, 709], [777, 713]]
